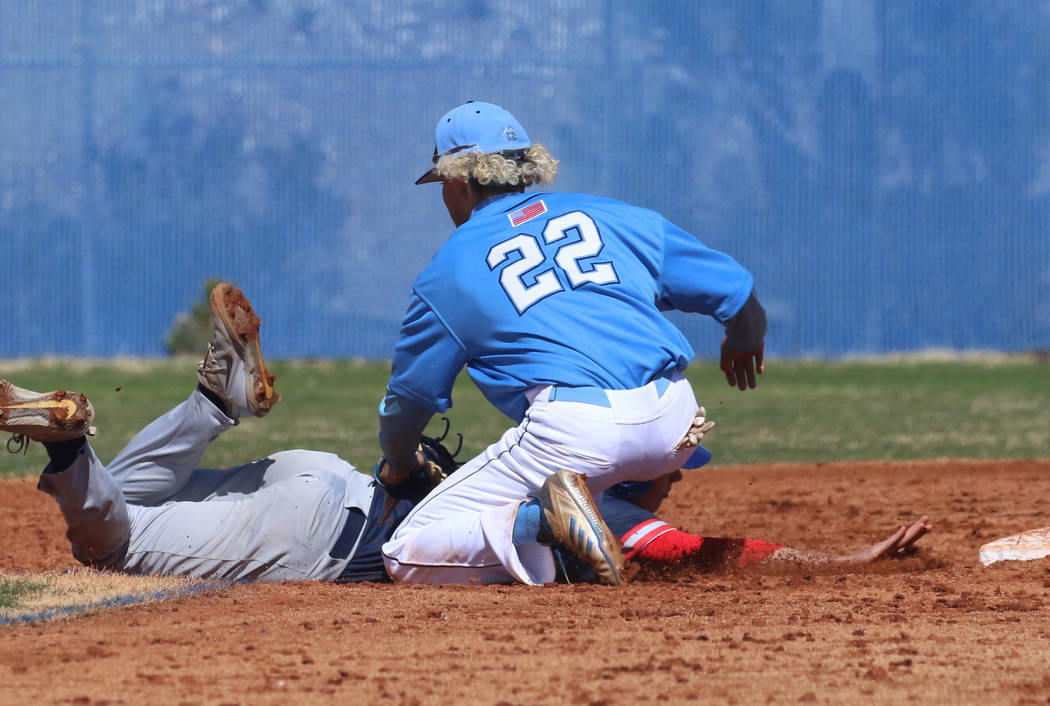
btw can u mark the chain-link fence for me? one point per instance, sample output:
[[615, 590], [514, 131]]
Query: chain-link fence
[[882, 166]]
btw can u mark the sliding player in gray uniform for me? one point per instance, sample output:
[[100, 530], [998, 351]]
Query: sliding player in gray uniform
[[295, 515], [553, 302]]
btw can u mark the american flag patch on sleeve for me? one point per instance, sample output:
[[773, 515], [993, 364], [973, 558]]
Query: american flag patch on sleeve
[[527, 213]]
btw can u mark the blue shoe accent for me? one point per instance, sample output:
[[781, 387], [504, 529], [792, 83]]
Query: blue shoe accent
[[528, 522]]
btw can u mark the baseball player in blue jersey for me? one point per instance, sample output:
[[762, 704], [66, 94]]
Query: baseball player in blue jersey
[[553, 302]]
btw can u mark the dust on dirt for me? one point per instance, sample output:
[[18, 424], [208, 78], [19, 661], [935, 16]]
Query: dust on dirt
[[933, 628]]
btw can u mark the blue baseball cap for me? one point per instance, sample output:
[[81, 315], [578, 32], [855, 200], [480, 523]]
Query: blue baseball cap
[[699, 457], [635, 488], [476, 126]]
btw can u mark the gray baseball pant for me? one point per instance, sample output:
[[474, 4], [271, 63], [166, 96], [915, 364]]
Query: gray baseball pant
[[152, 511]]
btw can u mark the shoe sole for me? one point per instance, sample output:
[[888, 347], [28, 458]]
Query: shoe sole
[[575, 487], [44, 416], [235, 313]]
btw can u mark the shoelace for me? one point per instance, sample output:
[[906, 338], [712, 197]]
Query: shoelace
[[216, 360], [18, 443]]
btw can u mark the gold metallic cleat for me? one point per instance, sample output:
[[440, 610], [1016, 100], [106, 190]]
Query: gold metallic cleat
[[577, 526]]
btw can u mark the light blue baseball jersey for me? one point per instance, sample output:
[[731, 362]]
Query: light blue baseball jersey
[[557, 289]]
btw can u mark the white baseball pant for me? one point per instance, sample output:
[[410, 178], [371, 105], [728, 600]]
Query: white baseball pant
[[462, 532]]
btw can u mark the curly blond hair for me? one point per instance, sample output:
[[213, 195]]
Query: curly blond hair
[[532, 165]]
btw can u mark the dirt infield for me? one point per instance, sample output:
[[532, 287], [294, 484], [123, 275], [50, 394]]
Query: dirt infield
[[936, 628]]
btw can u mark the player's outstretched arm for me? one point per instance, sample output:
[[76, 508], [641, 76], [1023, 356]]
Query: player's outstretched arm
[[655, 545], [898, 545]]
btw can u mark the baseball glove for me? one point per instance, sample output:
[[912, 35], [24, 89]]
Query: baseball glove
[[438, 464], [697, 430]]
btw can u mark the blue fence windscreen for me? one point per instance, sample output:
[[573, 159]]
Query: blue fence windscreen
[[882, 166]]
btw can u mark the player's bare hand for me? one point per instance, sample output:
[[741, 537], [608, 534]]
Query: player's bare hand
[[916, 530], [899, 544], [741, 367]]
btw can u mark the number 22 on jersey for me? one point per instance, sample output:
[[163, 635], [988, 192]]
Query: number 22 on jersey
[[567, 258]]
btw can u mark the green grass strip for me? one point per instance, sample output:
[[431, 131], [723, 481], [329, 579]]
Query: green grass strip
[[14, 591], [802, 411]]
